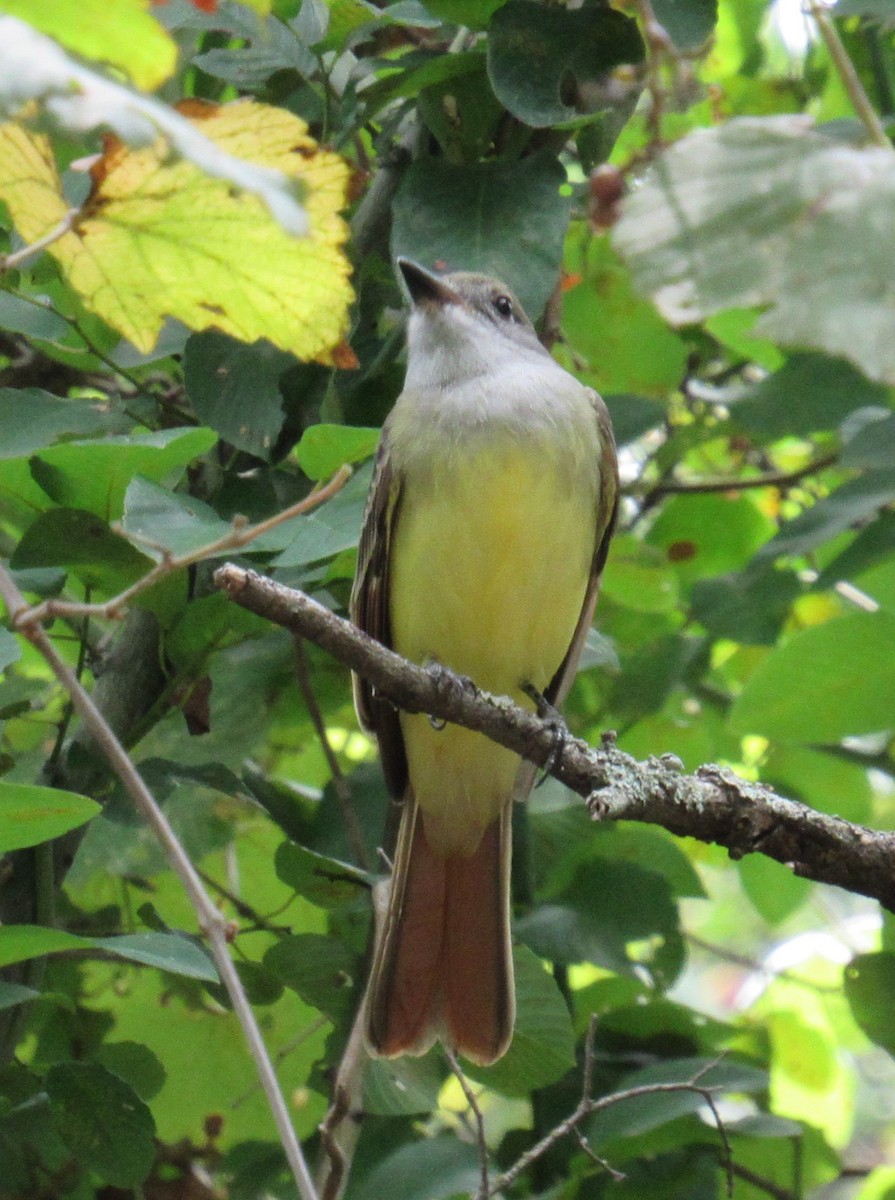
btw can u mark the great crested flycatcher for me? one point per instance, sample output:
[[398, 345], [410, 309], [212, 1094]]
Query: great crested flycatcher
[[487, 526]]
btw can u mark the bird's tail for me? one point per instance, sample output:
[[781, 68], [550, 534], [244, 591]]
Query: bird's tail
[[442, 966]]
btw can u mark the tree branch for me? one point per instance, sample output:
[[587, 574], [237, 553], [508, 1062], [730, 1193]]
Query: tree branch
[[712, 805]]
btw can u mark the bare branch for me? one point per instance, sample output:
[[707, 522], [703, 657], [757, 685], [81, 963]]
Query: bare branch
[[849, 76], [484, 1186], [713, 805], [213, 925], [17, 257], [779, 479]]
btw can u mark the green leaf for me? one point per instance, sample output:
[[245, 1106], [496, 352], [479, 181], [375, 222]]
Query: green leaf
[[474, 14], [84, 544], [839, 511], [324, 448], [639, 577], [404, 1086], [632, 416], [846, 670], [103, 1122], [873, 446], [707, 535], [32, 420], [739, 215], [326, 882], [810, 392], [616, 915], [688, 23], [31, 815], [331, 528], [773, 889], [272, 46], [135, 1064], [504, 218], [234, 389], [95, 475], [10, 649], [628, 1118], [869, 987], [543, 1045], [174, 520], [167, 951], [538, 55], [322, 970], [35, 319], [873, 545], [749, 608], [18, 943], [433, 1168], [12, 994], [628, 347]]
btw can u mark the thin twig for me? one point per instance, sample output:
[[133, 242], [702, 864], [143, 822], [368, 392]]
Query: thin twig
[[759, 1181], [849, 76], [17, 257], [778, 479], [211, 922], [341, 787], [726, 1152], [238, 536], [472, 1101]]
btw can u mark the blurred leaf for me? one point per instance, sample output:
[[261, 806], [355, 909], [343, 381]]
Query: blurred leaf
[[808, 393], [474, 14], [234, 388], [827, 682], [135, 1064], [83, 544], [433, 1168], [628, 347], [324, 448], [741, 215], [124, 34], [869, 987], [503, 218], [639, 576], [174, 520], [272, 46], [321, 969], [874, 544], [30, 815], [632, 416], [543, 1046], [403, 1086], [749, 608], [774, 890], [688, 24], [834, 513], [548, 65], [180, 243], [32, 419], [873, 446], [615, 915], [706, 535], [103, 1121], [10, 649], [824, 780]]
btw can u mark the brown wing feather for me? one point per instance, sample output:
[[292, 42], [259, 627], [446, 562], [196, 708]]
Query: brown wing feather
[[369, 608]]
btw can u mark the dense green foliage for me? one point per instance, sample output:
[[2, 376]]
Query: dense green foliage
[[749, 621]]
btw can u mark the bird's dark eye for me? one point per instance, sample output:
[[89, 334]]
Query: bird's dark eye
[[504, 305]]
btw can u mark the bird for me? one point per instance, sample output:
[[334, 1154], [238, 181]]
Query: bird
[[489, 517]]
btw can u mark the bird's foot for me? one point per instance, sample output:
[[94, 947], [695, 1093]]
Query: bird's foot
[[556, 723]]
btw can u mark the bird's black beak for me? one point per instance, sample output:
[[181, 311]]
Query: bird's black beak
[[425, 288]]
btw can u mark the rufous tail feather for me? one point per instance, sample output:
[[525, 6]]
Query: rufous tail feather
[[443, 965]]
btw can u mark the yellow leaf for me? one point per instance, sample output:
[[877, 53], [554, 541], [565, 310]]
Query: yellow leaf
[[159, 238], [122, 32]]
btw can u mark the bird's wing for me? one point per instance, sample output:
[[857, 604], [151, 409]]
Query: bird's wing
[[369, 608]]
